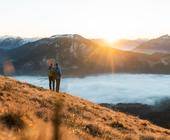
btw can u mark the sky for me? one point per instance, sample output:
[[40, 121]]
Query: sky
[[108, 19]]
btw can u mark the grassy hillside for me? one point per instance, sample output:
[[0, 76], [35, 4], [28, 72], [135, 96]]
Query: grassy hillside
[[33, 113]]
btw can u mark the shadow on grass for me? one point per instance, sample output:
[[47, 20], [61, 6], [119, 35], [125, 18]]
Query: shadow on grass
[[56, 121], [12, 121]]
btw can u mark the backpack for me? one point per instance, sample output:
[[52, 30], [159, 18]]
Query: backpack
[[58, 71]]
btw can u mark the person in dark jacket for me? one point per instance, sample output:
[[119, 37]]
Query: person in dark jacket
[[51, 77], [58, 76]]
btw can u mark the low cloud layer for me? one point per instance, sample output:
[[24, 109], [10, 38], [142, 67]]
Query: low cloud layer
[[113, 88]]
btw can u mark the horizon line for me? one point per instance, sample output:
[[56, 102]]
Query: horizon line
[[85, 36]]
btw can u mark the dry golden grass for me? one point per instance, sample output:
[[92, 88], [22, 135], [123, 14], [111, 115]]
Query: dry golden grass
[[34, 113]]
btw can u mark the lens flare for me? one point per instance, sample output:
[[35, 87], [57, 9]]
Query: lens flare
[[8, 67]]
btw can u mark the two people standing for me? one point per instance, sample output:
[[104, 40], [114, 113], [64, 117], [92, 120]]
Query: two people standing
[[54, 76]]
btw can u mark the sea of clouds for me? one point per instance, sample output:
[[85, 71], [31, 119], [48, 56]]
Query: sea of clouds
[[112, 88]]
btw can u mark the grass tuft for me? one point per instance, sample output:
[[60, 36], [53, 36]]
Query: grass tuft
[[144, 137], [118, 125], [93, 130], [12, 121], [7, 86]]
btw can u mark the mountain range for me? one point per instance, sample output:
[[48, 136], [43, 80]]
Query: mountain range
[[80, 56], [128, 45], [157, 45], [9, 42]]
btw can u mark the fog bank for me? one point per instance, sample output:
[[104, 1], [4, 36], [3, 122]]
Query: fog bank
[[113, 88]]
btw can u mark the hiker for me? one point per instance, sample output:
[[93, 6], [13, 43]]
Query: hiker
[[58, 76], [51, 77]]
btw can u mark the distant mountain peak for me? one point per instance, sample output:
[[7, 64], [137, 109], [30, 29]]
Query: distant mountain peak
[[67, 36], [127, 44], [11, 42], [61, 35], [164, 37], [157, 45]]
